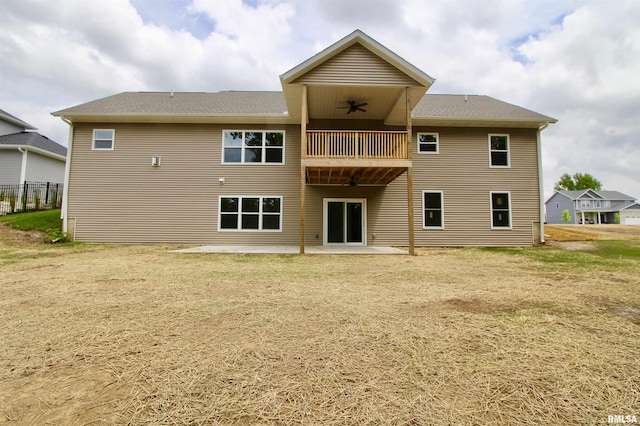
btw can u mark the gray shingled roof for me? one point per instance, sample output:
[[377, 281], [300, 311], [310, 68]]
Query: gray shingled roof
[[183, 103], [608, 195], [473, 107], [15, 120], [35, 140], [449, 107]]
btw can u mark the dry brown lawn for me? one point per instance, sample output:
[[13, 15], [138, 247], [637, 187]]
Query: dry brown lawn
[[95, 335], [592, 232]]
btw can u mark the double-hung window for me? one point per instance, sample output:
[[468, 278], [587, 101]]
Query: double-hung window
[[253, 147], [103, 139], [250, 214], [428, 143], [499, 150], [432, 208], [500, 210]]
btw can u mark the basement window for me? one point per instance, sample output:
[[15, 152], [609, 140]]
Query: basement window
[[432, 210], [250, 214], [500, 210]]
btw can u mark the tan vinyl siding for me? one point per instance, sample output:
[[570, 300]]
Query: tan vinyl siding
[[117, 196], [461, 170], [357, 66], [386, 211]]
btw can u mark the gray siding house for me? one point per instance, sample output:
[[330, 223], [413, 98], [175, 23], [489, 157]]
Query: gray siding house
[[27, 156], [590, 207], [352, 151]]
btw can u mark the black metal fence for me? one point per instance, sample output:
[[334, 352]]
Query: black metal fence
[[30, 196]]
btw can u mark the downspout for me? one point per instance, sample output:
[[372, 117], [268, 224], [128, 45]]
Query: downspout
[[23, 176], [67, 169], [23, 168], [540, 183]]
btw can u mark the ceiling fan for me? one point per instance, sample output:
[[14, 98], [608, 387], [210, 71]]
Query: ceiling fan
[[354, 106]]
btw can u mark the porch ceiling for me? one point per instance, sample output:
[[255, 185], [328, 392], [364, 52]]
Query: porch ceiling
[[329, 102], [385, 103], [348, 176]]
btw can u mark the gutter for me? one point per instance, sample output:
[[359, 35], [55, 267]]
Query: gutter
[[67, 169], [540, 183]]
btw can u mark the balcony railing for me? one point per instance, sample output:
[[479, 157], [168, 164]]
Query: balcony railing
[[357, 144]]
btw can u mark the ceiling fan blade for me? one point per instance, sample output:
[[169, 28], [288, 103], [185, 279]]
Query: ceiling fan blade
[[362, 104], [362, 109]]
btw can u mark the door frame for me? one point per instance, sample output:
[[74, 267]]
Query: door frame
[[325, 233]]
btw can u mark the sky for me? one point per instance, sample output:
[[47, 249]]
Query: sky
[[575, 60]]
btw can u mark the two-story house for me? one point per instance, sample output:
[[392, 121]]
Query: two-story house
[[588, 207], [26, 155], [352, 151]]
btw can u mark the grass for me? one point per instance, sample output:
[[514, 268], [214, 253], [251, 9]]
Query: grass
[[596, 254], [38, 221], [141, 335]]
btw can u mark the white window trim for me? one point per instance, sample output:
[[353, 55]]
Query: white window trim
[[441, 209], [113, 140], [498, 228], [242, 148], [508, 151], [260, 213], [437, 142]]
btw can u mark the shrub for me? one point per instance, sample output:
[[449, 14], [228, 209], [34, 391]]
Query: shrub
[[566, 217], [12, 201], [36, 199], [54, 235]]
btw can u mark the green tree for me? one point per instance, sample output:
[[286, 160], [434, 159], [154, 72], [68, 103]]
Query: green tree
[[566, 217], [616, 218], [577, 182]]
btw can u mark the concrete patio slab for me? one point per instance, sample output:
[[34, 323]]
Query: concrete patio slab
[[293, 250]]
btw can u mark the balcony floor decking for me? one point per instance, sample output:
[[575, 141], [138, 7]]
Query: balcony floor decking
[[340, 175]]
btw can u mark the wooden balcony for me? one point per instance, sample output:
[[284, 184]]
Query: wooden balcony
[[350, 157], [357, 145]]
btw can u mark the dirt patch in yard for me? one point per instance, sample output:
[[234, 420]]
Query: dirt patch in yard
[[591, 232], [140, 335], [12, 237]]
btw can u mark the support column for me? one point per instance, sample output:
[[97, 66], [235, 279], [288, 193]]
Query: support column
[[303, 155], [412, 250]]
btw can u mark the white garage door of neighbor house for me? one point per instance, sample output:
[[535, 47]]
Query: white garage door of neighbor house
[[631, 221]]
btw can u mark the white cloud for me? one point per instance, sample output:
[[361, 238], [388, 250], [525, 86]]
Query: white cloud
[[575, 60]]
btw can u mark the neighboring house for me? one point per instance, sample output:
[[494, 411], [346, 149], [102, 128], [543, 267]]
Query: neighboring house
[[589, 206], [351, 152], [27, 156]]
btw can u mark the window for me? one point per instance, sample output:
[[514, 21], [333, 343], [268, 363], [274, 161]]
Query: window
[[250, 214], [428, 143], [500, 210], [432, 209], [103, 139], [499, 150], [252, 146]]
